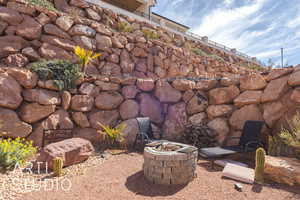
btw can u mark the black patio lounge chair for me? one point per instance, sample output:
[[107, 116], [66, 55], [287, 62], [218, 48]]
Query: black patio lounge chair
[[145, 136], [249, 142]]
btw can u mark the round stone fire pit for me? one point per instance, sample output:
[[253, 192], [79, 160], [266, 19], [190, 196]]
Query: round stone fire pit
[[170, 163]]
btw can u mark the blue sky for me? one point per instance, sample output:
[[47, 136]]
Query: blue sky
[[256, 27]]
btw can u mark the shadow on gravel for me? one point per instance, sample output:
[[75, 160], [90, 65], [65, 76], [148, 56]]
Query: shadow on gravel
[[139, 185]]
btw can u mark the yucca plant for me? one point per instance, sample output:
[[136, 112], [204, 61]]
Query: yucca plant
[[112, 135], [85, 56]]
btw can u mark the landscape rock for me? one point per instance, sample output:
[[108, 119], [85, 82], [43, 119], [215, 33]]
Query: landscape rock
[[64, 22], [282, 170], [129, 109], [240, 116], [294, 79], [223, 95], [221, 127], [49, 51], [24, 76], [10, 16], [166, 93], [214, 111], [145, 84], [81, 119], [197, 118], [16, 60], [150, 107], [82, 103], [130, 91], [248, 97], [277, 73], [252, 82], [183, 85], [34, 112], [72, 151], [80, 29], [273, 111], [175, 122], [197, 104], [275, 89], [66, 100], [108, 100], [51, 29], [11, 125], [106, 117], [29, 28], [42, 96], [10, 92], [130, 131]]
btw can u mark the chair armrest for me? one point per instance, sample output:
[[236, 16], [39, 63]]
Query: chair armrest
[[144, 135], [258, 144], [230, 138]]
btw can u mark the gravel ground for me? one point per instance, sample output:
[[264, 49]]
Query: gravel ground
[[14, 184], [120, 178]]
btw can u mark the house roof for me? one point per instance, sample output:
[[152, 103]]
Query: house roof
[[170, 20]]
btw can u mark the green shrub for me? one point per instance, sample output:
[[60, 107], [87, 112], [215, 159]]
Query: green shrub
[[42, 3], [216, 57], [15, 151], [150, 34], [62, 72], [124, 27]]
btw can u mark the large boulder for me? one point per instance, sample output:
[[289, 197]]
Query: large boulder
[[108, 100], [72, 151], [166, 93], [273, 111], [42, 96], [24, 76], [248, 97], [81, 119], [277, 73], [220, 125], [11, 125], [49, 51], [10, 16], [106, 117], [58, 120], [275, 89], [10, 92], [175, 122], [11, 44], [150, 107], [282, 170], [79, 29], [223, 95], [252, 82], [206, 84], [34, 112], [183, 85], [197, 104], [294, 79], [29, 28], [130, 91], [82, 103], [129, 109], [130, 131], [214, 111], [239, 117]]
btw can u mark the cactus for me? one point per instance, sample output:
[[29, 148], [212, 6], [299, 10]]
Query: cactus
[[58, 164], [260, 164]]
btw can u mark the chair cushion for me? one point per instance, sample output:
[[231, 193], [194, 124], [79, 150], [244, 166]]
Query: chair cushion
[[215, 152], [239, 173]]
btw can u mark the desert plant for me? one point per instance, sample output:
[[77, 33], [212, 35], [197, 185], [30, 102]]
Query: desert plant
[[15, 151], [124, 27], [259, 165], [112, 135], [85, 56], [291, 136], [62, 72], [58, 164], [150, 34]]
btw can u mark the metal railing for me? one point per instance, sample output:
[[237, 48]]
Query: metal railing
[[147, 18]]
